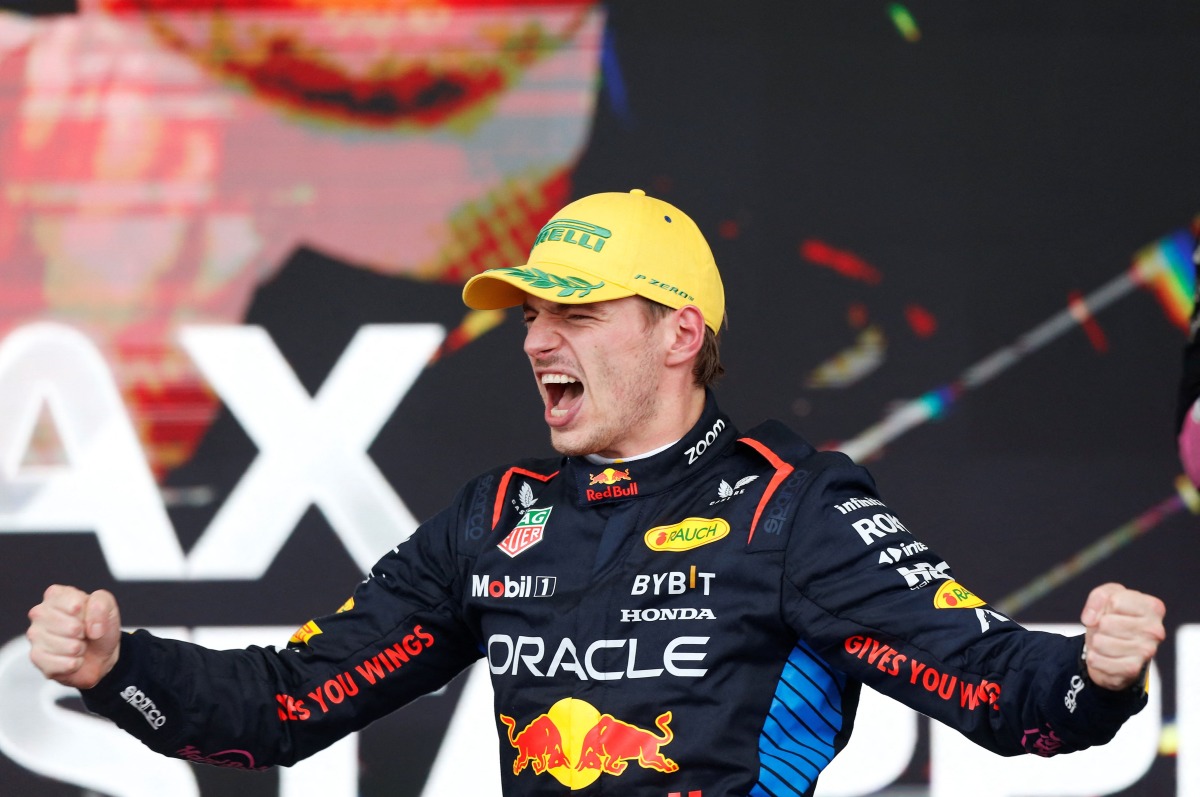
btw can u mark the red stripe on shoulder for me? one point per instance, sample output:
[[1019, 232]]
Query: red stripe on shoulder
[[502, 490], [782, 471]]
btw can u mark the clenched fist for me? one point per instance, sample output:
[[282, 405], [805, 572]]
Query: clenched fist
[[75, 637], [1124, 629]]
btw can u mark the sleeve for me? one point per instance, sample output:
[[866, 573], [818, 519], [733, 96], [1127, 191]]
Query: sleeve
[[400, 635], [885, 609]]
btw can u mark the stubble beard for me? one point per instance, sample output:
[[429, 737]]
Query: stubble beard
[[637, 391]]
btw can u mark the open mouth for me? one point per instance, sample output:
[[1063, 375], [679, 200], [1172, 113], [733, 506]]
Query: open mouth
[[563, 394]]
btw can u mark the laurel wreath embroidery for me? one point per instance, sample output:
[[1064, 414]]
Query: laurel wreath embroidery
[[540, 279]]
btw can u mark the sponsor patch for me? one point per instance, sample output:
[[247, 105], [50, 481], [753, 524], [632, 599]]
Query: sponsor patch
[[527, 533], [609, 476], [918, 675], [229, 759], [675, 582], [653, 614], [898, 553], [610, 480], [953, 595], [598, 659], [477, 520], [484, 586], [923, 573], [305, 633], [695, 451], [725, 491], [576, 744], [348, 684], [1041, 741], [877, 527], [857, 503], [687, 534], [145, 706], [1072, 698]]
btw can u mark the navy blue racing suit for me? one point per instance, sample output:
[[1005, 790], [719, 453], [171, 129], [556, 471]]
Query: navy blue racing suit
[[698, 621]]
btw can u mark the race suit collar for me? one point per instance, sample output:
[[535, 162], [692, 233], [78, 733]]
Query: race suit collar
[[703, 444]]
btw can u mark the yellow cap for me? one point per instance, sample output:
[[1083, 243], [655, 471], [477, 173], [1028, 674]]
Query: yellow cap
[[609, 246]]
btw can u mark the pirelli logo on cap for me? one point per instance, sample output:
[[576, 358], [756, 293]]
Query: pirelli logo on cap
[[570, 231]]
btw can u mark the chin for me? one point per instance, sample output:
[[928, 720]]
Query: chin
[[569, 444]]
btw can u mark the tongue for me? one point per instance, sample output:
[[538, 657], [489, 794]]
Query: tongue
[[566, 399]]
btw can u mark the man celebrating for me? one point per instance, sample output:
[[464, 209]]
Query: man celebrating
[[670, 606]]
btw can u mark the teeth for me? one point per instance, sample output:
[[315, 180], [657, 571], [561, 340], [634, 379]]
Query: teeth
[[561, 379], [557, 413]]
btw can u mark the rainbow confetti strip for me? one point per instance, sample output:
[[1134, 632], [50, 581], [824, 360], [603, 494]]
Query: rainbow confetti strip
[[1165, 269]]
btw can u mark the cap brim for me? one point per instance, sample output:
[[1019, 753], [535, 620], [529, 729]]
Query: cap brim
[[507, 287]]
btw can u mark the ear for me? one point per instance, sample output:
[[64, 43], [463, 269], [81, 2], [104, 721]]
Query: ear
[[687, 335]]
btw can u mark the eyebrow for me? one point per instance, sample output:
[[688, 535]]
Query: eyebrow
[[558, 308]]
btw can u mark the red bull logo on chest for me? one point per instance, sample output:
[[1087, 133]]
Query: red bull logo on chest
[[611, 478], [576, 744]]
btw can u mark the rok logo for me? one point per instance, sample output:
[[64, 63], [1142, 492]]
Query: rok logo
[[576, 744], [922, 573], [872, 528], [527, 533], [145, 706], [686, 535], [955, 596]]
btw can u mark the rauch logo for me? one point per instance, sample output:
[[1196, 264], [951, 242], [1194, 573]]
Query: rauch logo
[[686, 535]]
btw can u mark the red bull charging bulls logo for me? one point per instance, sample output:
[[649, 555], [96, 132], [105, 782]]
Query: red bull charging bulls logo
[[576, 744], [610, 478]]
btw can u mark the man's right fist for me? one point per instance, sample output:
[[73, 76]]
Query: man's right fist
[[75, 637]]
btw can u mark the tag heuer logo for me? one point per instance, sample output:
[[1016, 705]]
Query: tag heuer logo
[[527, 533]]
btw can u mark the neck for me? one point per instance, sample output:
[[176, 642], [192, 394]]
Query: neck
[[679, 414]]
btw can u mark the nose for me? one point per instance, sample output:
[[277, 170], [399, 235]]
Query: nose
[[541, 337]]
